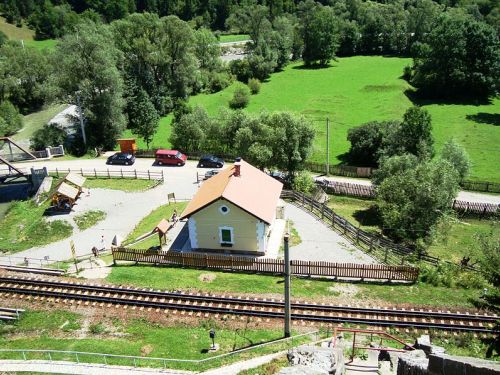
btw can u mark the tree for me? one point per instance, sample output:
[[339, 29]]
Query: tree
[[292, 140], [460, 57], [143, 117], [87, 66], [188, 131], [49, 135], [24, 76], [11, 120], [457, 157], [320, 35], [413, 198], [414, 135], [240, 99], [366, 142], [53, 21]]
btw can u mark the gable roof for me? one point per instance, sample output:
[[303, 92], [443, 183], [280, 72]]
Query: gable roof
[[67, 190], [253, 191], [75, 179]]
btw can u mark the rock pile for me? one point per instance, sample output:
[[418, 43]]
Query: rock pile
[[309, 360]]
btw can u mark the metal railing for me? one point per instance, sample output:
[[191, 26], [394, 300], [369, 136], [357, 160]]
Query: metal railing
[[28, 262], [103, 358]]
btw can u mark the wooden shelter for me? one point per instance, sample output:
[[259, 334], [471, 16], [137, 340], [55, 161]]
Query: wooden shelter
[[65, 196], [76, 180], [127, 145], [162, 229]]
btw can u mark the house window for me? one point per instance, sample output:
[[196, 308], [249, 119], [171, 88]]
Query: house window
[[224, 210], [226, 236]]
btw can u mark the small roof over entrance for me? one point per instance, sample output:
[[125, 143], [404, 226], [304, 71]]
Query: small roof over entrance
[[75, 179], [162, 226]]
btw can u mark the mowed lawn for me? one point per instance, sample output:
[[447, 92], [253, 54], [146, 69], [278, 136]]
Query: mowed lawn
[[356, 90], [25, 34]]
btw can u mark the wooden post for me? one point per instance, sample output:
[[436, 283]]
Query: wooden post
[[109, 176], [135, 171], [95, 173], [323, 211]]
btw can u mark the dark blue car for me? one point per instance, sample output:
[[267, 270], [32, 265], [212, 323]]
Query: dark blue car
[[210, 161]]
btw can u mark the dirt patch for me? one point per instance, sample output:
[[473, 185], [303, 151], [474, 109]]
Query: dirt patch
[[146, 350], [207, 277], [346, 290]]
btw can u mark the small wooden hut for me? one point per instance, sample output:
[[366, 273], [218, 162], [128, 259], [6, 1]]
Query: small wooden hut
[[65, 196], [76, 180]]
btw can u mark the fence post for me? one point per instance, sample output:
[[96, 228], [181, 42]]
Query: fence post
[[149, 176], [121, 170], [24, 355], [81, 171], [135, 171], [57, 172], [109, 176], [371, 244], [95, 173], [77, 359]]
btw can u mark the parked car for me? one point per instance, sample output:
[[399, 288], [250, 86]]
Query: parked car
[[210, 173], [122, 158], [280, 176], [170, 157], [210, 161]]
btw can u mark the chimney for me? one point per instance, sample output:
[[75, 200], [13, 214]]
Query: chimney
[[237, 167]]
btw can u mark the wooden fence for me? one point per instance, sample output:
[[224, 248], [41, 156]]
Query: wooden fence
[[267, 265], [110, 173], [368, 191]]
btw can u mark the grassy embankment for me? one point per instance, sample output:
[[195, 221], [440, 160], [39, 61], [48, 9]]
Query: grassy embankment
[[453, 243], [25, 34], [89, 219], [149, 222], [229, 38], [63, 330], [24, 226], [37, 120], [356, 90], [125, 184]]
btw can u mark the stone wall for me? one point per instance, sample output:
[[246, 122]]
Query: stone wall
[[444, 364]]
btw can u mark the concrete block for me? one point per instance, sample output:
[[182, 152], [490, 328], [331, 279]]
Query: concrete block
[[444, 364]]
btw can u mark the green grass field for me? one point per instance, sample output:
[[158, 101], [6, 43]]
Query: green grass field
[[37, 120], [89, 219], [149, 222], [124, 184], [453, 242], [233, 38], [356, 90], [302, 288], [24, 226], [63, 330], [27, 35]]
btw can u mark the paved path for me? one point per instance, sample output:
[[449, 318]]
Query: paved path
[[63, 367], [235, 368], [124, 210], [462, 195], [320, 242]]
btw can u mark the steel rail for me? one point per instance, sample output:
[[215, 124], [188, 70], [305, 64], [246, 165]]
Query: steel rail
[[254, 302], [381, 320]]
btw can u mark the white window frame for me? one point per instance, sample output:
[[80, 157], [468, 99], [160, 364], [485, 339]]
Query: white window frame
[[231, 230], [222, 211]]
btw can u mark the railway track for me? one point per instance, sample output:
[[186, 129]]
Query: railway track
[[261, 308]]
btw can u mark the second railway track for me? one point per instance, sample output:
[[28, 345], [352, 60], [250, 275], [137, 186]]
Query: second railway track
[[261, 308]]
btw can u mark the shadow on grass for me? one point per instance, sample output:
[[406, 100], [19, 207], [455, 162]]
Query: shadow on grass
[[313, 66], [485, 118], [417, 97], [369, 217]]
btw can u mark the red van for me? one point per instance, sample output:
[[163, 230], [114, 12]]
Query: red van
[[170, 157]]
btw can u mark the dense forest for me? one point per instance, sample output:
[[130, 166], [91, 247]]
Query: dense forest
[[131, 62]]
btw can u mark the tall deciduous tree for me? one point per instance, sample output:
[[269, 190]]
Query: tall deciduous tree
[[87, 66], [460, 57], [10, 119], [24, 76], [142, 115], [413, 198], [456, 156], [320, 35]]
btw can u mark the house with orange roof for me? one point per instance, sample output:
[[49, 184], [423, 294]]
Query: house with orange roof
[[235, 211]]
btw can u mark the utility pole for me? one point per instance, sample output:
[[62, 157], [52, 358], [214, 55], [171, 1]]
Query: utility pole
[[327, 146], [80, 114], [287, 286]]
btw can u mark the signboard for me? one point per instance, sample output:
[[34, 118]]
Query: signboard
[[171, 196], [73, 253]]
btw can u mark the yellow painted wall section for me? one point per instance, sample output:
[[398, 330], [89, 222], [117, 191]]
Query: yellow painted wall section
[[209, 219]]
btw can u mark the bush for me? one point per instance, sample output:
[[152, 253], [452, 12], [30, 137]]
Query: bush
[[303, 182], [10, 119], [254, 85], [240, 69], [240, 99], [49, 135], [451, 276], [218, 81]]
